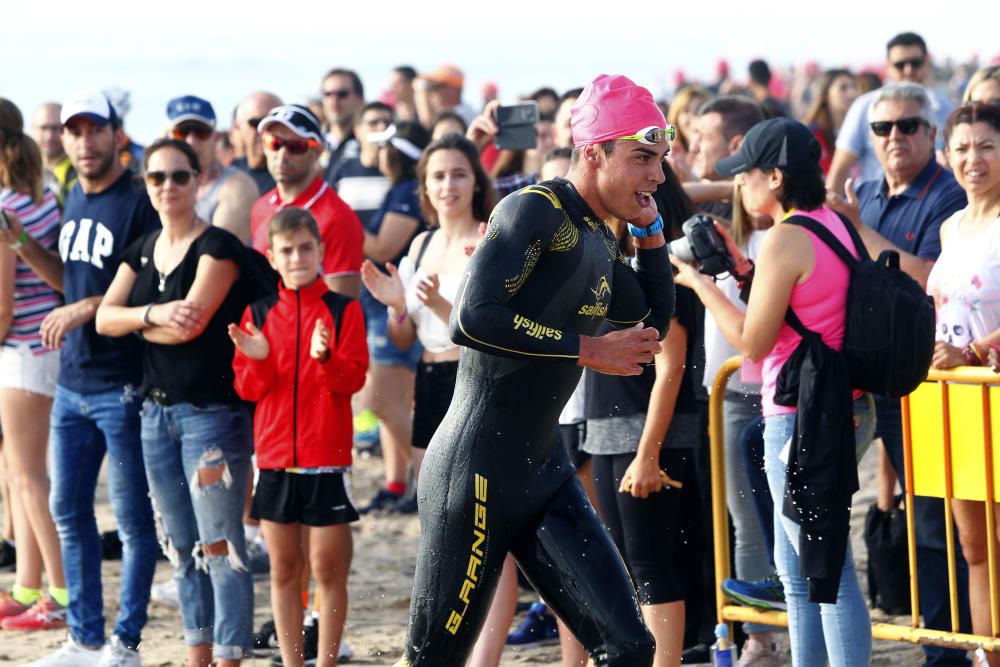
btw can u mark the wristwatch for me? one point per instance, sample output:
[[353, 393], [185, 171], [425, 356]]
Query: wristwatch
[[645, 232]]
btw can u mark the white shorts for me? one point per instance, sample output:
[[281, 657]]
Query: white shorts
[[20, 369]]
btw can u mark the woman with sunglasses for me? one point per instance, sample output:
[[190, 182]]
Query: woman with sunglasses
[[28, 370], [965, 284], [175, 290], [778, 170]]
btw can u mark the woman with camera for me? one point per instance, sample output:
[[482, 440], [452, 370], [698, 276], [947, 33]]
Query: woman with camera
[[780, 176]]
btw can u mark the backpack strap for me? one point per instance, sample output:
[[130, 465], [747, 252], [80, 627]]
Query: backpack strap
[[831, 241], [148, 245], [423, 247]]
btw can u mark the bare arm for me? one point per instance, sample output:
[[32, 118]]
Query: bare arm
[[44, 262], [8, 266], [236, 198], [705, 191], [348, 285], [840, 169], [643, 473], [396, 231]]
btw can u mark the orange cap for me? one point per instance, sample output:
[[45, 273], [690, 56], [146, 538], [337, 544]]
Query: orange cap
[[448, 75]]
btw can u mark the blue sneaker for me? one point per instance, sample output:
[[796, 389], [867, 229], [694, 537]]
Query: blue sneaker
[[538, 628], [764, 594]]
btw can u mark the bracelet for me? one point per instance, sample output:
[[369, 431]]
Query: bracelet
[[145, 315], [645, 232], [971, 355], [402, 316], [16, 245]]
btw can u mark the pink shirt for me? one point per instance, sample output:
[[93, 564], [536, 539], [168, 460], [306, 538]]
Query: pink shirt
[[820, 303]]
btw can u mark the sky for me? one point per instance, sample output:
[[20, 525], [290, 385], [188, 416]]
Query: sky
[[223, 50]]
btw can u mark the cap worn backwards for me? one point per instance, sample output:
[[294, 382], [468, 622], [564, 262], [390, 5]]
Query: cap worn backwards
[[297, 118], [610, 107], [91, 104], [189, 107], [777, 142]]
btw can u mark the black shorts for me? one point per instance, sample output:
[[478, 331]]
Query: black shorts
[[311, 499], [431, 398]]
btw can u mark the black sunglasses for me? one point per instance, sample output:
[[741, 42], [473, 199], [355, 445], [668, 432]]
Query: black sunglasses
[[254, 122], [900, 65], [180, 177], [882, 128], [342, 93]]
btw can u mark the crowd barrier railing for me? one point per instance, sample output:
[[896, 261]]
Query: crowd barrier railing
[[948, 449]]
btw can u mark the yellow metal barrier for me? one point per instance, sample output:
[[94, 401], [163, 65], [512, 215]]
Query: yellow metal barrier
[[951, 405]]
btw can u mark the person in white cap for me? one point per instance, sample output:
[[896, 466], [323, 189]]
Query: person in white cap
[[96, 406]]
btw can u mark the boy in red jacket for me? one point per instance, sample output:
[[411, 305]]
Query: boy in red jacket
[[300, 355]]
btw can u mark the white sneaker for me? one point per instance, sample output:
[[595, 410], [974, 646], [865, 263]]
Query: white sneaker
[[70, 655], [166, 593], [116, 654], [344, 652]]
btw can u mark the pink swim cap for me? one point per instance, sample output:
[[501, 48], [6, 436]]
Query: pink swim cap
[[610, 107]]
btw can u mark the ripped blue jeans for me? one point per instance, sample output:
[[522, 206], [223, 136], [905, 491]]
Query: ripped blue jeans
[[198, 465]]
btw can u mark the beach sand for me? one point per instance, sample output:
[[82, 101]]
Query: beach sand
[[380, 581]]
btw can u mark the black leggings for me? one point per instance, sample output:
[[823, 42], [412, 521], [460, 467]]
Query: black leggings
[[646, 530]]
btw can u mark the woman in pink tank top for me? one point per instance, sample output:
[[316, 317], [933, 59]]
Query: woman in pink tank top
[[778, 169]]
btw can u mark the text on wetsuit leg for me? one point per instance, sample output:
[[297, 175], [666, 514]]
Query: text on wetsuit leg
[[475, 557], [536, 330]]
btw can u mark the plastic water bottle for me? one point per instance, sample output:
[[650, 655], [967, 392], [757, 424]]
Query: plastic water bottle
[[723, 652]]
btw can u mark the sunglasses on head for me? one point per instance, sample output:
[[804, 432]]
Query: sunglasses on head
[[882, 128], [178, 176], [900, 65], [340, 94], [652, 135], [184, 130], [293, 146]]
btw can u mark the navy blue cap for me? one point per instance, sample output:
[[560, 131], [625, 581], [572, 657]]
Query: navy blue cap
[[93, 105], [776, 142], [190, 107]]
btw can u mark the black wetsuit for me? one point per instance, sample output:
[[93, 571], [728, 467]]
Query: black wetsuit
[[495, 478]]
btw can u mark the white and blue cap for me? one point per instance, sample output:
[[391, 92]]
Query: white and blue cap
[[297, 118], [92, 105], [189, 107]]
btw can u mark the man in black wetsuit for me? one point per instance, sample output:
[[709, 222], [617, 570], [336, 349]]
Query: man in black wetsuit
[[495, 479]]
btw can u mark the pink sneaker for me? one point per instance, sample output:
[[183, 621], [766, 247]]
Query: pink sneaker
[[46, 614], [9, 606]]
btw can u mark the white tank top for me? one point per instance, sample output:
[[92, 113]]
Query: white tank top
[[965, 284], [432, 331]]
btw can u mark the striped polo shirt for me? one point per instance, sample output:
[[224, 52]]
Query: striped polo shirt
[[33, 298]]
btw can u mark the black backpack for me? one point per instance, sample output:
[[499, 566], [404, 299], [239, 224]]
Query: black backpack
[[889, 329], [888, 560]]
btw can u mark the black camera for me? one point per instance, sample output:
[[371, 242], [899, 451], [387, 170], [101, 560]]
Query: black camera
[[703, 244]]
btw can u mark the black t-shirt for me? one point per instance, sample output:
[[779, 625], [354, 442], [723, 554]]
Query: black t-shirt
[[624, 395], [201, 370]]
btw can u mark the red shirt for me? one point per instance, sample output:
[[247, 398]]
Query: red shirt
[[303, 416], [339, 227]]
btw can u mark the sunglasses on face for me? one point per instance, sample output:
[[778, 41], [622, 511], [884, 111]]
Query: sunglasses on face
[[179, 177], [254, 122], [340, 94], [652, 135], [900, 65], [293, 146], [908, 126], [183, 131]]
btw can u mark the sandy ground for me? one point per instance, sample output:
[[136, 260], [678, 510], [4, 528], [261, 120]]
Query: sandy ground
[[384, 552]]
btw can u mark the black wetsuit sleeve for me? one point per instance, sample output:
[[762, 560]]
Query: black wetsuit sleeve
[[644, 294], [520, 230]]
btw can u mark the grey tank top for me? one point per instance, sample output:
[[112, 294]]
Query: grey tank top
[[208, 202]]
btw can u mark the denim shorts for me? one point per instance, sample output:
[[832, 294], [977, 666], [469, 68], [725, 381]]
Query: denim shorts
[[20, 368], [381, 349]]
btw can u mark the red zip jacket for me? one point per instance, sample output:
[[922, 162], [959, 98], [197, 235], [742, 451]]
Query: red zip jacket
[[303, 416]]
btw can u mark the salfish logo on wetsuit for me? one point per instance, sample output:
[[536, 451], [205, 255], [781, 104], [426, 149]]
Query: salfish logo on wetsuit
[[602, 294]]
